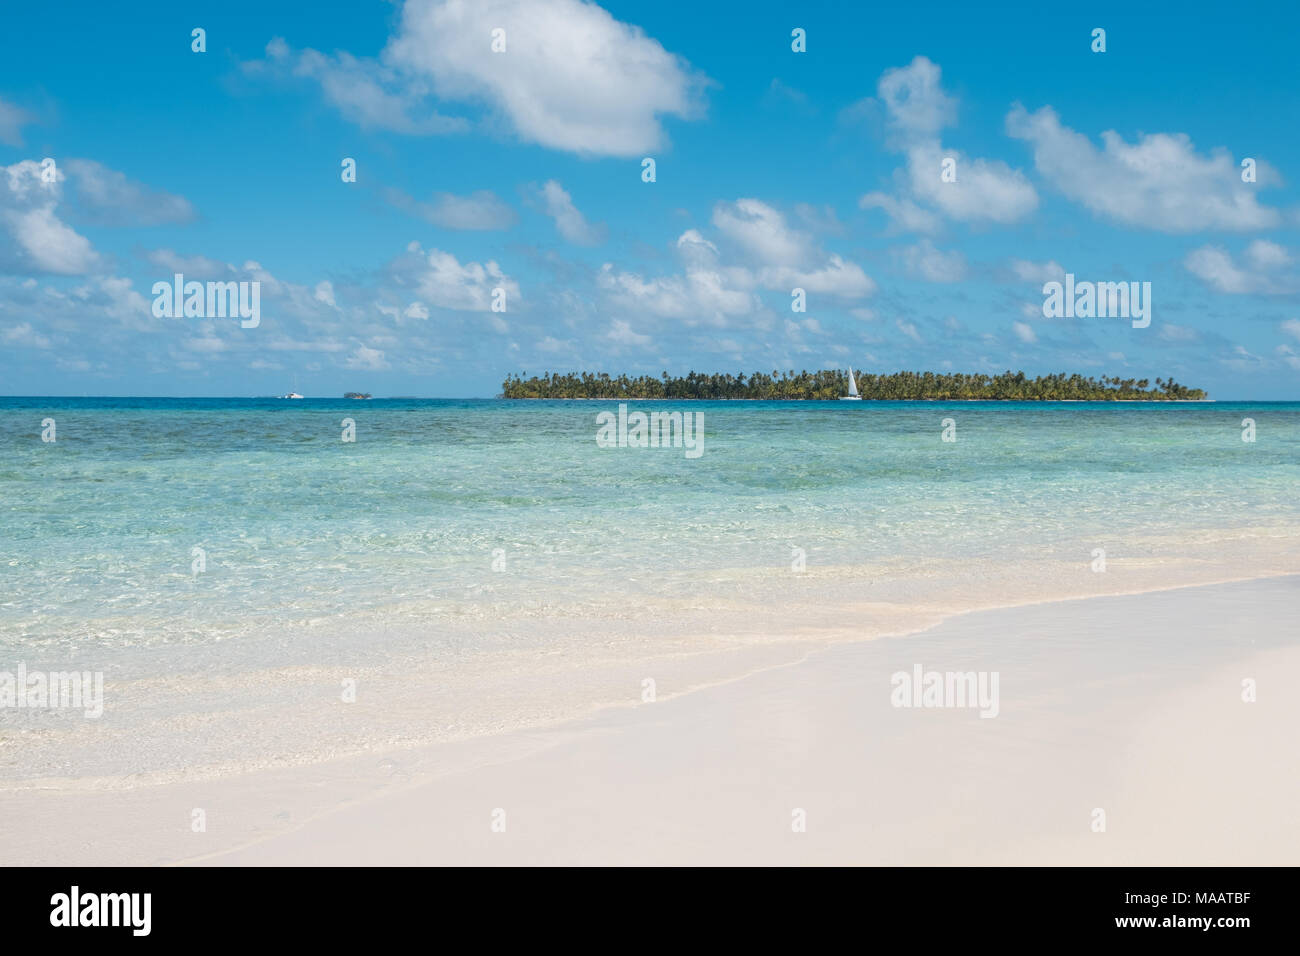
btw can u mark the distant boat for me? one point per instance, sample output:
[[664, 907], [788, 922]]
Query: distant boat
[[294, 393], [853, 395]]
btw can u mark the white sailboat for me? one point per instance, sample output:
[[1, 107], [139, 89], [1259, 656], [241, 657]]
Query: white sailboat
[[853, 395], [294, 393]]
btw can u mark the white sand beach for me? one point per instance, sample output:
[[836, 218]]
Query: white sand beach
[[1132, 705]]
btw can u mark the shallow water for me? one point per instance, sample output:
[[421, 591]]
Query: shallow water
[[98, 530], [324, 561]]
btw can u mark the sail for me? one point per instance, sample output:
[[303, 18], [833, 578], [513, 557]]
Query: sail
[[853, 385]]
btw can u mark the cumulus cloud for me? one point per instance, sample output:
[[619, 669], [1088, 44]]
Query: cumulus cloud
[[23, 335], [572, 77], [1159, 182], [784, 257], [570, 223], [701, 295], [440, 280], [324, 293], [714, 287], [706, 292], [916, 105], [1262, 269], [836, 277], [1178, 333], [367, 359], [1288, 355], [108, 197], [621, 333], [194, 267], [983, 190], [904, 214], [1024, 333], [1036, 272], [364, 91], [481, 210], [762, 231], [924, 261], [910, 330], [355, 323], [39, 241]]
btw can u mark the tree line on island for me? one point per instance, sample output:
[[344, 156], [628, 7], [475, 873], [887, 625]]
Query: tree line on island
[[827, 385]]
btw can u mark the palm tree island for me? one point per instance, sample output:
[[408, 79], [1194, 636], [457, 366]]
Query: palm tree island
[[829, 385]]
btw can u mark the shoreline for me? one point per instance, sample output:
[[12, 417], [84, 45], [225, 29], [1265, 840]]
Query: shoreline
[[274, 802], [1124, 780], [512, 688]]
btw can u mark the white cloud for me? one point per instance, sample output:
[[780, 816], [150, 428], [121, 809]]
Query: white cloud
[[1024, 333], [915, 101], [910, 330], [837, 277], [783, 93], [695, 250], [1288, 355], [1264, 255], [324, 293], [194, 267], [762, 231], [367, 359], [364, 91], [441, 281], [481, 210], [904, 214], [551, 344], [1179, 333], [1037, 272], [621, 333], [572, 77], [298, 345], [924, 261], [701, 295], [1260, 271], [983, 190], [109, 198], [570, 223], [40, 241], [786, 257], [1292, 328], [25, 335], [50, 245], [208, 344], [1160, 182]]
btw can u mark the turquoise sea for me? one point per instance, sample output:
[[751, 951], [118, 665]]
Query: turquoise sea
[[230, 564], [98, 529]]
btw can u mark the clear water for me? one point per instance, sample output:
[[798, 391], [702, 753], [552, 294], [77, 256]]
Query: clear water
[[97, 529]]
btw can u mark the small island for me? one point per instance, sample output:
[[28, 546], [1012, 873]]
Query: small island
[[356, 394], [830, 385]]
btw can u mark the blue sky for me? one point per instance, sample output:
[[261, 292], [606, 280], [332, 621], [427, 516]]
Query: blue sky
[[521, 171]]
